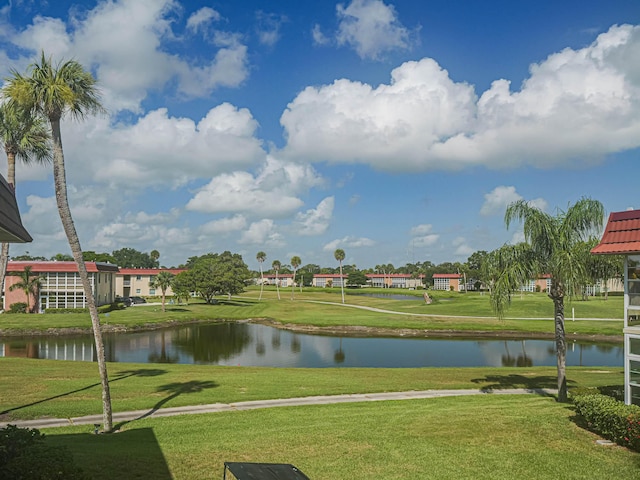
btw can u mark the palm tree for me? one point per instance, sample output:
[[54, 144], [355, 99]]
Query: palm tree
[[276, 266], [25, 138], [295, 263], [339, 255], [261, 257], [29, 284], [550, 249], [154, 255], [162, 281], [54, 91]]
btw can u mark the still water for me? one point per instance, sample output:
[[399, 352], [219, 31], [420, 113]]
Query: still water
[[258, 345]]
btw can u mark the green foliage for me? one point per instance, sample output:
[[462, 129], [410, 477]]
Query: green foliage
[[131, 258], [18, 307], [91, 256], [214, 274], [70, 310], [610, 418], [357, 278], [24, 454]]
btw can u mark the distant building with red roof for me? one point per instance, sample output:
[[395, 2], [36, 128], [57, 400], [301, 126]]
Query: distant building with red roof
[[447, 281], [60, 286], [134, 282], [622, 237]]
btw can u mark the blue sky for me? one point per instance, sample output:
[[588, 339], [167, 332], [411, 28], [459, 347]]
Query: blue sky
[[397, 131]]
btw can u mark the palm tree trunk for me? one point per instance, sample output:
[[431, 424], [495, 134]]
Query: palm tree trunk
[[59, 177], [293, 285], [561, 344], [341, 282], [261, 282], [277, 285]]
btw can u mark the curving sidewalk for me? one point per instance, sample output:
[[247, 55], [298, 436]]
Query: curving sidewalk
[[256, 404], [393, 312]]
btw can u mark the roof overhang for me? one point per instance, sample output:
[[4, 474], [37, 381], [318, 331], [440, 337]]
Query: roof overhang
[[11, 229], [621, 235]]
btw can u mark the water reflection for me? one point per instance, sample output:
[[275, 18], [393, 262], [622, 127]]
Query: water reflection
[[259, 345]]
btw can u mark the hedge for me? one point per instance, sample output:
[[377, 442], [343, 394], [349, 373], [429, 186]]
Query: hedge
[[610, 418]]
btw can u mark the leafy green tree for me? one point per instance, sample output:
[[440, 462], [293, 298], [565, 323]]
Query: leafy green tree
[[91, 256], [183, 285], [132, 258], [261, 257], [162, 281], [29, 284], [25, 138], [295, 263], [275, 265], [551, 242], [62, 257], [154, 255], [224, 273], [55, 91], [357, 278], [339, 256]]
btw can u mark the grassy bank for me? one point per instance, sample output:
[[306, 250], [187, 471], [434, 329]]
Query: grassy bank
[[37, 388], [488, 437], [472, 310]]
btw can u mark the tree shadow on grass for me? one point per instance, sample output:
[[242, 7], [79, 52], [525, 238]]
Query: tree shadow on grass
[[142, 372], [174, 390], [533, 384]]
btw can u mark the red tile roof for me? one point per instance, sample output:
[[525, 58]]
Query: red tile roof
[[622, 234], [150, 271], [447, 275], [44, 267]]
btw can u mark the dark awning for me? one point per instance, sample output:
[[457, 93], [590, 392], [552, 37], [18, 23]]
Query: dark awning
[[263, 471], [11, 229]]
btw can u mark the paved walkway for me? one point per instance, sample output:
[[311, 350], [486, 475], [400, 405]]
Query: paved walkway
[[255, 404], [394, 312]]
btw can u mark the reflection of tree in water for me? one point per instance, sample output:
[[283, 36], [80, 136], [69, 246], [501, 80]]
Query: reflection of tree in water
[[212, 343], [275, 338], [339, 356], [260, 346], [162, 357], [295, 344], [523, 360], [508, 360]]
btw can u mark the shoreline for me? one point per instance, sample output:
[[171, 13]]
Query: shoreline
[[346, 331]]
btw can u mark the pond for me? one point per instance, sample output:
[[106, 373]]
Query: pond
[[248, 344]]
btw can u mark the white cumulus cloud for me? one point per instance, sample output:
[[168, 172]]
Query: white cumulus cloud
[[576, 106], [348, 242], [315, 221]]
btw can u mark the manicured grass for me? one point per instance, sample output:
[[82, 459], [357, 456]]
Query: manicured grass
[[39, 388], [301, 312], [487, 437]]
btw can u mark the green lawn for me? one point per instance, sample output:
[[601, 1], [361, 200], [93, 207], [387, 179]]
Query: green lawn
[[474, 306], [488, 437], [38, 388]]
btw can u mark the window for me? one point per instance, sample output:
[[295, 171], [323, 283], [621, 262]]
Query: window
[[137, 290], [152, 291], [138, 277]]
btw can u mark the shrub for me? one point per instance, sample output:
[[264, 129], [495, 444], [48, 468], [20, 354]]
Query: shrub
[[18, 307], [24, 454], [610, 418], [67, 310]]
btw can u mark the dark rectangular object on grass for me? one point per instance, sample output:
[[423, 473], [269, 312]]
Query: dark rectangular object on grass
[[263, 471], [11, 229]]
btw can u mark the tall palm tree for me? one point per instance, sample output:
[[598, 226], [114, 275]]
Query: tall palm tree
[[295, 263], [261, 257], [162, 281], [154, 255], [24, 137], [56, 91], [551, 242], [339, 256], [29, 284], [276, 266]]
